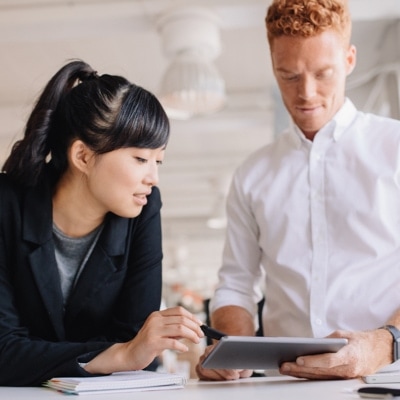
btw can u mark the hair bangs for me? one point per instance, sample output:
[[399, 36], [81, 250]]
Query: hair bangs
[[141, 122]]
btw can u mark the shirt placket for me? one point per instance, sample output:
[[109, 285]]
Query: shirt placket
[[319, 233]]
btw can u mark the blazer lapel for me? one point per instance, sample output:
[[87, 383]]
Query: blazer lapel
[[44, 268], [37, 229]]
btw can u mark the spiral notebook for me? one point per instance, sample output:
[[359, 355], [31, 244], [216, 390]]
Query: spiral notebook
[[117, 382]]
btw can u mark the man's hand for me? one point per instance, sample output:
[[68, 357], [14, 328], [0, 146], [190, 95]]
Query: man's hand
[[219, 374], [233, 320], [365, 353]]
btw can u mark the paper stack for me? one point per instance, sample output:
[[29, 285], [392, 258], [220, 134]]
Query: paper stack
[[117, 382]]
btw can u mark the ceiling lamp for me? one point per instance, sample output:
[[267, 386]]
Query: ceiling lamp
[[191, 84]]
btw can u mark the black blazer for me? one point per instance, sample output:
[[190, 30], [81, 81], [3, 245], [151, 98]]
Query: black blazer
[[119, 287]]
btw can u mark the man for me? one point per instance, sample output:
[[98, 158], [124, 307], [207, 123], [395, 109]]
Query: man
[[315, 216]]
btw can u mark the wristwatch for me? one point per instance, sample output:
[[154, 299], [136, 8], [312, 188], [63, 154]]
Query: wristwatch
[[396, 340]]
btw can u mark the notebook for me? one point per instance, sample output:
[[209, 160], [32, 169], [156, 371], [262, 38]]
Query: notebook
[[388, 374], [117, 382]]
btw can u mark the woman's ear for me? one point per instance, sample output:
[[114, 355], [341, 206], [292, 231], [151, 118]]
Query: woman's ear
[[80, 156]]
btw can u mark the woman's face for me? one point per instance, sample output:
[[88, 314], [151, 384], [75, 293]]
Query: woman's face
[[120, 181]]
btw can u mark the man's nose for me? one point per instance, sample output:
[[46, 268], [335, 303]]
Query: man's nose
[[307, 88]]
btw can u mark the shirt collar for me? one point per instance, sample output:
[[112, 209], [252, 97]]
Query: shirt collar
[[335, 128]]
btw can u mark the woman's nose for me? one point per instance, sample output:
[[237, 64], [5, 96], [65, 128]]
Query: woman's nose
[[152, 176]]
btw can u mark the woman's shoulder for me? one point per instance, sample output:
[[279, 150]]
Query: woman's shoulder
[[7, 186], [10, 193]]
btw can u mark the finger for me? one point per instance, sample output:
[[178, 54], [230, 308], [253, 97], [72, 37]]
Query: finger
[[184, 321], [172, 344], [180, 331], [230, 374], [218, 374], [312, 376], [175, 325], [180, 311], [292, 369], [246, 373], [327, 360], [180, 316]]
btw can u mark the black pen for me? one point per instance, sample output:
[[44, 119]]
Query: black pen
[[378, 392], [212, 333]]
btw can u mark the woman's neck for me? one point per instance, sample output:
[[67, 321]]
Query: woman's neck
[[73, 211]]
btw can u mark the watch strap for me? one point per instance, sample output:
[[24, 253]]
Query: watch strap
[[396, 340]]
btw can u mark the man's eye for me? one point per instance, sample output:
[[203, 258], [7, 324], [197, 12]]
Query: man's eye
[[325, 74], [289, 77]]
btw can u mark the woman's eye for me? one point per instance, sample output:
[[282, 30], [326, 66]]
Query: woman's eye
[[141, 160], [159, 162]]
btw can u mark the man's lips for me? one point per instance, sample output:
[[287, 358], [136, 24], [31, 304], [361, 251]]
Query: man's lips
[[308, 109]]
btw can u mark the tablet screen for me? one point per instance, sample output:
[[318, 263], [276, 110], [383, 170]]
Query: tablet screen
[[252, 352]]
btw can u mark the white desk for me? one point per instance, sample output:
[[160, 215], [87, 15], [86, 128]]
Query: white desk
[[270, 388]]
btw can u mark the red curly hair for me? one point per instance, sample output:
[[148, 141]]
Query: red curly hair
[[307, 18]]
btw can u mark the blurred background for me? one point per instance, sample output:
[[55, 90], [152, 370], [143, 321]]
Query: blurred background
[[208, 61]]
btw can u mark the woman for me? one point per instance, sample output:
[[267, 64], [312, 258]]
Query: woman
[[80, 234]]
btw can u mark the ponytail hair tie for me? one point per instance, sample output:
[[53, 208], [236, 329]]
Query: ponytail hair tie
[[88, 76], [93, 75]]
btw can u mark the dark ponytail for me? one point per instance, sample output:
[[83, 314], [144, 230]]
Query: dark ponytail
[[105, 112]]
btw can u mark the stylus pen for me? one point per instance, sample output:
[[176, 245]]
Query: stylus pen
[[377, 392], [211, 332]]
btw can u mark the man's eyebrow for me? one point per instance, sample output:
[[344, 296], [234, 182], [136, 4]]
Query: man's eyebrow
[[286, 71]]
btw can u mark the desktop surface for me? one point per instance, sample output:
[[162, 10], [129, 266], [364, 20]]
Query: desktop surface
[[271, 388]]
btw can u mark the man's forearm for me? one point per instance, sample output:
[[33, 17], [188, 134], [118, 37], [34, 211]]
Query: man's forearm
[[395, 319], [233, 320]]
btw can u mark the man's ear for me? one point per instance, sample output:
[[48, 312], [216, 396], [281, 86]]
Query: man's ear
[[80, 156], [351, 58]]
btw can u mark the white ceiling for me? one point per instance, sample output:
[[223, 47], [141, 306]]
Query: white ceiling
[[120, 36]]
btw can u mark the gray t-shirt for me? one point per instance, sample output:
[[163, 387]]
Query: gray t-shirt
[[71, 256]]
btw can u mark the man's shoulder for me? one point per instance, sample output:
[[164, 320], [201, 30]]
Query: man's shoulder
[[264, 153], [377, 120]]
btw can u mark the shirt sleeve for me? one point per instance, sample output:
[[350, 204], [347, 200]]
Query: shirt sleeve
[[240, 275]]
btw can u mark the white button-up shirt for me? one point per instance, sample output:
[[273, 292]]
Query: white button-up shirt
[[316, 225]]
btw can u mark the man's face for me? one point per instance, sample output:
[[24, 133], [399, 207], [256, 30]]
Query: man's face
[[311, 74]]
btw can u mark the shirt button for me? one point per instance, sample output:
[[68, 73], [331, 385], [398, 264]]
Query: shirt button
[[317, 156], [318, 321]]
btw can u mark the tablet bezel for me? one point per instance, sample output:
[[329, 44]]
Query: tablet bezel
[[253, 352]]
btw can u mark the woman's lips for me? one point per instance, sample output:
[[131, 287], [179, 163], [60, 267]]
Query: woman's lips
[[141, 199]]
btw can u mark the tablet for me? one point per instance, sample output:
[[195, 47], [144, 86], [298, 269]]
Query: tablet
[[254, 352]]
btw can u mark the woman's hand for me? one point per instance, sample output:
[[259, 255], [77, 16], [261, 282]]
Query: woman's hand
[[162, 330]]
